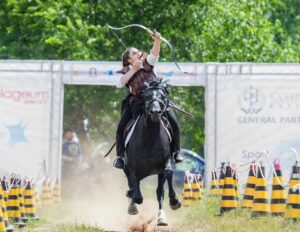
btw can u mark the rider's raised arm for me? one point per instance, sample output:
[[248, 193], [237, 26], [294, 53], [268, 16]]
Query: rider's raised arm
[[156, 44], [153, 56], [126, 77]]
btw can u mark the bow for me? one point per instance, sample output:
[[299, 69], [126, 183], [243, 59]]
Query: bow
[[150, 32]]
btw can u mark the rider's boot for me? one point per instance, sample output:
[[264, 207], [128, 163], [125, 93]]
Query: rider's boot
[[119, 161], [178, 157]]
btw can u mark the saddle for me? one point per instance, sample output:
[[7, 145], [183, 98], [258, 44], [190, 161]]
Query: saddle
[[129, 129]]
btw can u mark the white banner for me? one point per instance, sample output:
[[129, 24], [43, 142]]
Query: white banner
[[256, 114], [24, 123]]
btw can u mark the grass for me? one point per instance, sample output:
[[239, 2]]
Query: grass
[[203, 218], [52, 220], [198, 218]]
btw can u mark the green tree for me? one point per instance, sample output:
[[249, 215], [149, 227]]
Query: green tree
[[200, 31]]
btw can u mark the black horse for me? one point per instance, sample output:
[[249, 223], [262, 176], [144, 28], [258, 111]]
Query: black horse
[[148, 150]]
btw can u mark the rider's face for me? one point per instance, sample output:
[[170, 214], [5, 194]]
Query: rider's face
[[134, 55]]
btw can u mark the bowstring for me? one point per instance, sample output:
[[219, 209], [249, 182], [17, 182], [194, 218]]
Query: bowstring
[[120, 40]]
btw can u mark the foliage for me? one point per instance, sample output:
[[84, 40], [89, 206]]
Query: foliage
[[200, 31]]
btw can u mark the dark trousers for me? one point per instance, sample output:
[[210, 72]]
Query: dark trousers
[[176, 132], [126, 115]]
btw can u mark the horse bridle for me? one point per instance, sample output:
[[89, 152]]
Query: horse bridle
[[165, 103]]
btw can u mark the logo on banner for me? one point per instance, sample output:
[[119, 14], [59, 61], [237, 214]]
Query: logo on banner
[[16, 134], [93, 72], [25, 96], [251, 100]]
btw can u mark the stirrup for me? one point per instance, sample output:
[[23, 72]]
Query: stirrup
[[178, 157], [119, 163]]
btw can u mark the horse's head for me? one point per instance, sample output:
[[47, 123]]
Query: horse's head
[[155, 99]]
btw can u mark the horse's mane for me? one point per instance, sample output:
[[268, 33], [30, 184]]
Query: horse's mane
[[159, 83]]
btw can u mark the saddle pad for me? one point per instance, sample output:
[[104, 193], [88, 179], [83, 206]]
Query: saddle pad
[[129, 134]]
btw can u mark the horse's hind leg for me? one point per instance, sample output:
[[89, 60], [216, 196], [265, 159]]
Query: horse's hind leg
[[174, 202], [162, 220]]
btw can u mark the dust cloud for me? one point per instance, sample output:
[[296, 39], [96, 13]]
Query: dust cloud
[[99, 199]]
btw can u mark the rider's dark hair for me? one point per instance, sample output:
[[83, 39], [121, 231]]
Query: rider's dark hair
[[125, 57]]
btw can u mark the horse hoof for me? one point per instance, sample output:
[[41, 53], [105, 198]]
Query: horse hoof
[[162, 223], [175, 206], [162, 220], [138, 200], [132, 209]]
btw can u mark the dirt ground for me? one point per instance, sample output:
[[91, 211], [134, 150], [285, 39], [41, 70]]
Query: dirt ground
[[101, 201]]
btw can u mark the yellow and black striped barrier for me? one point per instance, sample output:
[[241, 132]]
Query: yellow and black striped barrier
[[221, 179], [250, 187], [214, 184], [261, 204], [229, 200], [29, 201], [13, 204], [196, 189], [5, 189], [46, 193], [278, 196], [56, 191], [293, 200], [187, 193]]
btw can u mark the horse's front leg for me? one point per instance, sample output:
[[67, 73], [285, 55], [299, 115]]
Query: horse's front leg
[[174, 202], [136, 194], [162, 220]]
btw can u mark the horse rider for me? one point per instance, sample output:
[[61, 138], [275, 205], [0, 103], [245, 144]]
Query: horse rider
[[138, 68]]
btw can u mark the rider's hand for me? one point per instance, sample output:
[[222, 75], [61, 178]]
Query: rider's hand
[[155, 36]]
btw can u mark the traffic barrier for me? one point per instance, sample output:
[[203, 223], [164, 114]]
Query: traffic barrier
[[261, 204], [228, 201], [247, 201], [293, 200], [236, 184], [278, 195], [187, 190], [214, 184], [196, 189], [21, 200], [8, 227], [13, 204], [46, 192], [29, 201], [56, 191], [221, 179]]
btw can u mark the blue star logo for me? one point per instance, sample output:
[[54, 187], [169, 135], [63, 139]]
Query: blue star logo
[[16, 134]]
